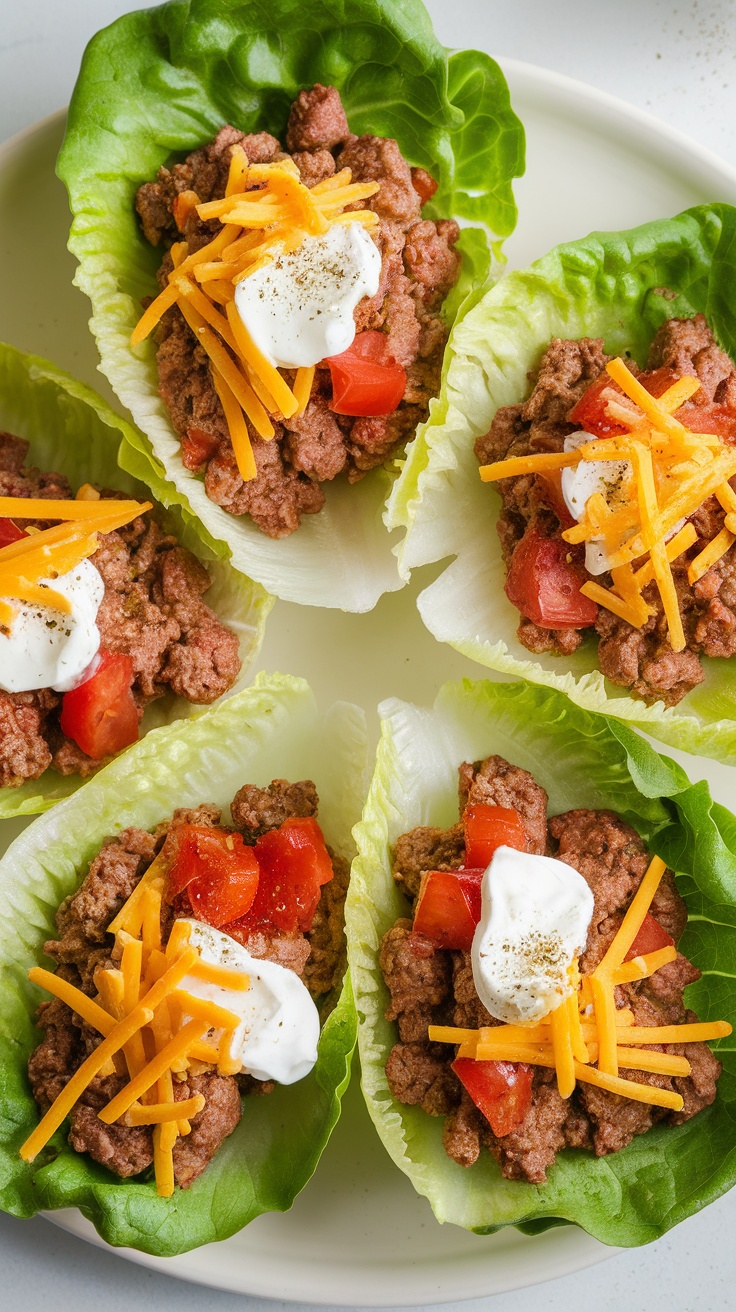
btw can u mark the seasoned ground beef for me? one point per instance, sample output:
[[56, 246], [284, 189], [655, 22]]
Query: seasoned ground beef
[[84, 945], [152, 610], [429, 985], [419, 267], [638, 659]]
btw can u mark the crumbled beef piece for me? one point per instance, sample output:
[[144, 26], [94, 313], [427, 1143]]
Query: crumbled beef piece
[[314, 166], [24, 750], [468, 1011], [314, 441], [494, 782], [82, 918], [403, 329], [688, 347], [326, 962], [668, 907], [13, 453], [462, 1132], [256, 810], [418, 979], [378, 159], [529, 1151], [122, 1149], [419, 1076], [423, 849], [698, 1089], [317, 120], [275, 499], [607, 852], [288, 950], [373, 440], [57, 1055], [430, 258], [666, 985], [205, 661], [566, 370], [184, 380], [643, 660], [210, 1127]]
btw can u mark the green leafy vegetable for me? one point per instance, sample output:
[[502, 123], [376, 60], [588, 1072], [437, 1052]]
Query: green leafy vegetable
[[273, 729], [617, 285], [74, 432], [582, 760], [160, 82]]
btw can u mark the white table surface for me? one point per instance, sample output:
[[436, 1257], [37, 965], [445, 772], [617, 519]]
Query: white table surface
[[678, 61]]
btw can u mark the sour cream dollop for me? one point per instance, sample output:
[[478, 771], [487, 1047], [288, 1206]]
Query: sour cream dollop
[[580, 482], [534, 920], [279, 1028], [299, 307], [46, 648]]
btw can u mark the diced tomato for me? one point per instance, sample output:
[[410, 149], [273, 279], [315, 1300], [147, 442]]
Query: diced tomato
[[294, 864], [197, 447], [544, 582], [101, 715], [489, 827], [590, 411], [552, 495], [651, 938], [9, 532], [220, 874], [657, 381], [501, 1090], [709, 418], [366, 380], [448, 908]]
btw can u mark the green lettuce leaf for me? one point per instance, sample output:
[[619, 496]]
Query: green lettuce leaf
[[617, 285], [271, 730], [162, 81], [583, 760], [74, 432]]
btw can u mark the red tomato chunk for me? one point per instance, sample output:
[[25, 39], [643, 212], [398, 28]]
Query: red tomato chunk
[[490, 827], [9, 532], [218, 871], [543, 583], [448, 908], [197, 447], [365, 379], [101, 715], [651, 938], [501, 1090]]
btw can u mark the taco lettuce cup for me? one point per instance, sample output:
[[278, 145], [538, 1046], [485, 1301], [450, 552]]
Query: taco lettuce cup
[[623, 1168], [204, 841], [539, 367], [170, 651], [287, 469]]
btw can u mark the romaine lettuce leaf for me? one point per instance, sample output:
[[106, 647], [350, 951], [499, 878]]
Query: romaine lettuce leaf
[[270, 730], [617, 285], [583, 760], [162, 81], [74, 432]]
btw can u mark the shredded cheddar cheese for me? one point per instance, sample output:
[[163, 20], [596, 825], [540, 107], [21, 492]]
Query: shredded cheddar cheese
[[51, 552], [152, 1030], [592, 1049], [674, 471], [266, 210]]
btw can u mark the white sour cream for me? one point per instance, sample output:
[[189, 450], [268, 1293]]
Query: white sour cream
[[299, 307], [534, 920], [581, 481], [279, 1029], [46, 648]]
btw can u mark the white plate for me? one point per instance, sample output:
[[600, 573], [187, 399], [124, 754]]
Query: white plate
[[359, 1234]]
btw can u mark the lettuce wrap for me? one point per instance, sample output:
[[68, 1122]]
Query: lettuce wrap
[[616, 285], [582, 760], [159, 82], [272, 729], [74, 432]]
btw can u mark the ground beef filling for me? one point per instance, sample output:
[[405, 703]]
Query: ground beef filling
[[419, 266], [638, 659], [152, 611], [431, 986], [84, 945]]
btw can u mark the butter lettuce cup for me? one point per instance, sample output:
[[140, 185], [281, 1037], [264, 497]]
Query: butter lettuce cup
[[156, 625], [541, 973], [178, 1023], [285, 183], [606, 576]]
